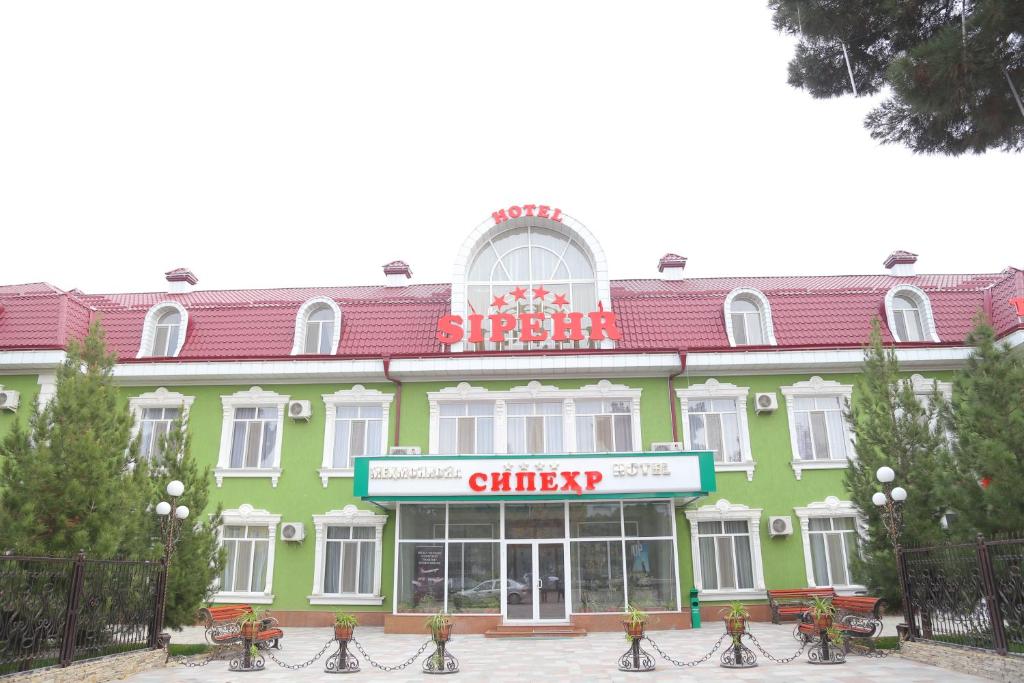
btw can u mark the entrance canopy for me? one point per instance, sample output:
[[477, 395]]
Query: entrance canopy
[[682, 476]]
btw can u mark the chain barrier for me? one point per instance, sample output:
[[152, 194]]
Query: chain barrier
[[398, 667], [695, 662], [306, 663], [190, 663], [771, 657]]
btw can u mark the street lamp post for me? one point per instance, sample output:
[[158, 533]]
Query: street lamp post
[[890, 499], [171, 518]]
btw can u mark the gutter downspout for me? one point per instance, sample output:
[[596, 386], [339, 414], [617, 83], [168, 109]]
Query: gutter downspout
[[672, 393], [398, 396]]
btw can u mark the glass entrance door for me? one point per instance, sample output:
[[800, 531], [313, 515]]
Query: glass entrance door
[[535, 581]]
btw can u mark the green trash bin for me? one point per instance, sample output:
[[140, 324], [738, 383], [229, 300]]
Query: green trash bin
[[694, 608]]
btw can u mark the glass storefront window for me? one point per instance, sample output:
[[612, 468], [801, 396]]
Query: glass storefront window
[[421, 521], [474, 521], [421, 571], [534, 520], [647, 519], [650, 566], [594, 520], [474, 578], [597, 576]]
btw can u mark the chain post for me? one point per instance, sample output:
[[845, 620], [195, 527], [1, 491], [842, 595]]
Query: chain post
[[988, 583]]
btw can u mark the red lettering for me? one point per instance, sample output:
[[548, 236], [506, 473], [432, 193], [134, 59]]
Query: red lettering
[[499, 217], [570, 482], [1019, 303], [515, 212], [557, 215], [532, 327], [476, 328], [567, 327], [544, 211], [478, 481], [593, 478], [547, 481], [501, 481], [500, 324], [602, 323], [525, 481], [528, 208], [449, 329]]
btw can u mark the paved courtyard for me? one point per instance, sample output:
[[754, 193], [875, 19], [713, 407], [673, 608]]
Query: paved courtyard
[[592, 658]]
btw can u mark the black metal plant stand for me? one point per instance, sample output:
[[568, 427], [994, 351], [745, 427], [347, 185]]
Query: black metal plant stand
[[738, 655], [342, 661], [440, 661], [636, 658], [246, 661], [823, 651]]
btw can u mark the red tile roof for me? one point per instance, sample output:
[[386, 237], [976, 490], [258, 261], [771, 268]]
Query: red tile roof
[[826, 311]]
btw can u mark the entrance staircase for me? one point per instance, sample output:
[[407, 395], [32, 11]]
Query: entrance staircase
[[536, 631]]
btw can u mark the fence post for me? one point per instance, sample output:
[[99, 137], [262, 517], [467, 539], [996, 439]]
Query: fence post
[[908, 604], [988, 585], [67, 645], [158, 605]]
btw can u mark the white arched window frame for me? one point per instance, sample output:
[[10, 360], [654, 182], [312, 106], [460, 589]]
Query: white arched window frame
[[149, 325], [816, 387], [248, 516], [724, 511], [302, 317], [924, 309], [487, 230], [711, 390], [349, 516], [758, 298], [829, 508], [358, 395]]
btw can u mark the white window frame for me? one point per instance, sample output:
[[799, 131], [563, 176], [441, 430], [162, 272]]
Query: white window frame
[[923, 387], [767, 325], [161, 398], [712, 389], [255, 397], [828, 508], [816, 387], [358, 395], [724, 511], [924, 307], [534, 391], [247, 515], [350, 516], [149, 329], [299, 340]]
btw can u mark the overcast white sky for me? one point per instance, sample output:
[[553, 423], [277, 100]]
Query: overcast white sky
[[281, 144]]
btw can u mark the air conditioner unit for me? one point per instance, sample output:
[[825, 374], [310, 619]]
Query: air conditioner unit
[[780, 526], [293, 531], [766, 402], [404, 450], [667, 446], [9, 399], [300, 410]]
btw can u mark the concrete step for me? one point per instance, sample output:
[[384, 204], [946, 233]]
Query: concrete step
[[536, 631]]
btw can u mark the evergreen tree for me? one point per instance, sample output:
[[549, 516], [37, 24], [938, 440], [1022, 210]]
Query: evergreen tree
[[893, 427], [985, 473], [67, 482], [954, 70]]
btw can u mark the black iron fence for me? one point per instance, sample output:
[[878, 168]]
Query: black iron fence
[[969, 594], [55, 611]]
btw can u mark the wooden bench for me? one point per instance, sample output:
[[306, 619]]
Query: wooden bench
[[793, 602], [858, 616], [223, 628]]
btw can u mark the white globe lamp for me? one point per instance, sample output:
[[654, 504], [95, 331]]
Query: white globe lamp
[[175, 489], [885, 474], [181, 512], [163, 508], [878, 499], [899, 494]]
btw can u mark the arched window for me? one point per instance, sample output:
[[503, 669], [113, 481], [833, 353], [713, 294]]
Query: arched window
[[748, 319], [909, 314], [163, 331], [165, 339], [317, 328]]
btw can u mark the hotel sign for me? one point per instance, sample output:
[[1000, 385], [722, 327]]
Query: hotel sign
[[559, 477]]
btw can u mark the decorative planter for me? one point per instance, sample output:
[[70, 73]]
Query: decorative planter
[[443, 634], [635, 629], [250, 629], [823, 622], [736, 627], [342, 632]]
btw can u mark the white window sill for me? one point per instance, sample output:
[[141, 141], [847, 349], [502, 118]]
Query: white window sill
[[271, 473], [334, 473], [729, 595], [852, 589], [744, 466], [247, 598], [346, 599], [800, 465]]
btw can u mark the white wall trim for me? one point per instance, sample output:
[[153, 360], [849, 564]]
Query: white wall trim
[[722, 511], [712, 388], [47, 388], [247, 515], [161, 398], [817, 387], [357, 395], [830, 507], [923, 386], [299, 339], [924, 305], [351, 516], [254, 397], [149, 328], [767, 324]]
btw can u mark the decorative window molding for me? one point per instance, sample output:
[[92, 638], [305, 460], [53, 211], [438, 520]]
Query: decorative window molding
[[817, 387], [161, 398], [828, 508], [924, 307], [247, 515], [255, 397], [533, 391], [724, 511], [767, 325], [149, 328], [922, 386], [299, 343], [712, 389], [349, 516], [358, 395]]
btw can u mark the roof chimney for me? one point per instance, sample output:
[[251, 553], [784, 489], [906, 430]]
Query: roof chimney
[[180, 280], [900, 263], [397, 272], [671, 266]]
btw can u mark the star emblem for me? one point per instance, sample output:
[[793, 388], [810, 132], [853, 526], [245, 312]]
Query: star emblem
[[519, 293], [540, 292], [560, 300], [499, 302]]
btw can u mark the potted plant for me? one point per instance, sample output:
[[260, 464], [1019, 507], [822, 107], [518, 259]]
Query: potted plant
[[250, 623], [834, 635], [635, 623], [736, 616], [344, 624], [822, 612], [440, 626]]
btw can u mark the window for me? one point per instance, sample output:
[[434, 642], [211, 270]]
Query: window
[[535, 427], [908, 319], [250, 443], [819, 435], [356, 425], [163, 331], [908, 312], [153, 429], [317, 327], [348, 557], [604, 426], [726, 544], [247, 536], [831, 538], [748, 318], [466, 428], [715, 415], [165, 339]]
